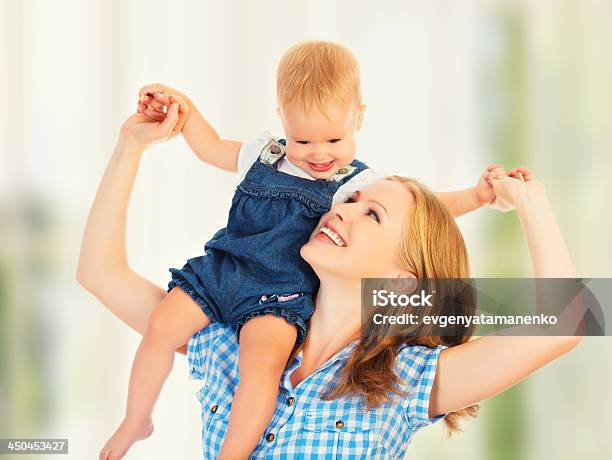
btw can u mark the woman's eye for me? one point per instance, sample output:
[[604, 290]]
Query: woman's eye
[[374, 215], [371, 212]]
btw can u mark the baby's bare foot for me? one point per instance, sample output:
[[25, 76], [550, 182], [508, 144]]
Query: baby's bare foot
[[127, 434]]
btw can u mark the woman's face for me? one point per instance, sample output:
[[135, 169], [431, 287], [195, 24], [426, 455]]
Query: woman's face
[[360, 238]]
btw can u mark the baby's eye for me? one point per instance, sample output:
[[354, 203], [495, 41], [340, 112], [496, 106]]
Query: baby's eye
[[302, 142], [333, 141], [374, 215], [349, 199]]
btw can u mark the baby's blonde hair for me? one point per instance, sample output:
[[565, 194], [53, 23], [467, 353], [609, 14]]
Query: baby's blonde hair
[[317, 74]]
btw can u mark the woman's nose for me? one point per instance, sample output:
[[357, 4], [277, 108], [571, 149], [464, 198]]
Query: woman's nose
[[343, 212]]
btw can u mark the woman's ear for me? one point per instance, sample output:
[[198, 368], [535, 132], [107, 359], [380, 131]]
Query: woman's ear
[[403, 282], [405, 274], [360, 115]]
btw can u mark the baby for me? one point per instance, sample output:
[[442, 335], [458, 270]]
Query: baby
[[251, 275]]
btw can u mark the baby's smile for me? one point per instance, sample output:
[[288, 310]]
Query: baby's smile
[[321, 167]]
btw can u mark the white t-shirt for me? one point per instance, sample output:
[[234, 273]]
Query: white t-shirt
[[249, 152]]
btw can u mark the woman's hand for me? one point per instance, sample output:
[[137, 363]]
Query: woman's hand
[[514, 188], [519, 190], [154, 100], [145, 132], [146, 93]]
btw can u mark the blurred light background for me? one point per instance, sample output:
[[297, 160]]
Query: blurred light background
[[451, 86]]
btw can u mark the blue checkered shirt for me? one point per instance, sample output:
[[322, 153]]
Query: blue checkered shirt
[[303, 425]]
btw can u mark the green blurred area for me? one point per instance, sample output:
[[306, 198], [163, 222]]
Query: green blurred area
[[504, 82]]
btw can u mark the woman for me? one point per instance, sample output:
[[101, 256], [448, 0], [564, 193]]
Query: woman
[[342, 394]]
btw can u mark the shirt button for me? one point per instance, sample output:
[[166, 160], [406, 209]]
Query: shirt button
[[291, 401], [270, 437], [343, 170], [339, 424], [214, 408]]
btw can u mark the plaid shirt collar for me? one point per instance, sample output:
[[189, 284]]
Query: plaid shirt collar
[[297, 362]]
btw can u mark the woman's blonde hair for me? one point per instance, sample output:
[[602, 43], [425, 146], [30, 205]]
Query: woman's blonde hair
[[317, 74], [432, 247]]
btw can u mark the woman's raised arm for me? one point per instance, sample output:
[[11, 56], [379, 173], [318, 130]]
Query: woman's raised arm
[[481, 368], [103, 266]]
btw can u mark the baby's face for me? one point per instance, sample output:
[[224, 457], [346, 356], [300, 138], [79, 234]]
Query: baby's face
[[317, 145]]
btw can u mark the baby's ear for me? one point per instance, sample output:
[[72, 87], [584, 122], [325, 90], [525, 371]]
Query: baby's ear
[[360, 115]]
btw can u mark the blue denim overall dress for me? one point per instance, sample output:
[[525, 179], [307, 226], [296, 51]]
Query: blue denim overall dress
[[253, 266]]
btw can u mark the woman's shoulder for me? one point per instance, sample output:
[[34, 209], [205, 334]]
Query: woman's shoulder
[[416, 367], [415, 362], [217, 342]]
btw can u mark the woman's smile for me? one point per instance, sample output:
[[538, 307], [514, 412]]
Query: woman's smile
[[328, 235]]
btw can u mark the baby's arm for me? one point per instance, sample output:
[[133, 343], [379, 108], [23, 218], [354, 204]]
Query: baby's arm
[[199, 134], [463, 201]]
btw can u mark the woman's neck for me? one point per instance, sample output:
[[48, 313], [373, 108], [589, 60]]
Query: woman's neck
[[336, 320]]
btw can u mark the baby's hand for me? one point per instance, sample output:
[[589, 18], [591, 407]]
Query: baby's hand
[[154, 100], [484, 190], [517, 185]]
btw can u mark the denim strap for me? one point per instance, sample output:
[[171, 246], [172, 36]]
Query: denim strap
[[272, 152]]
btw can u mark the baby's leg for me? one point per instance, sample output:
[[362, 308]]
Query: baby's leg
[[170, 325], [265, 345]]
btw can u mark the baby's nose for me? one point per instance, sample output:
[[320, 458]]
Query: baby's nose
[[318, 155]]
